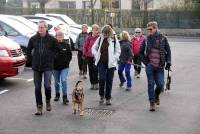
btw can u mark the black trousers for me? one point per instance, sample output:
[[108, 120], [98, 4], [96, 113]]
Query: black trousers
[[47, 85], [136, 60], [93, 70], [82, 63]]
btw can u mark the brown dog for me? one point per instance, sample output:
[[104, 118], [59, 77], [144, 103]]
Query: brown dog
[[78, 98]]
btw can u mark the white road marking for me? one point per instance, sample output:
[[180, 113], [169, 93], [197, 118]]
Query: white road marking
[[29, 80], [4, 91]]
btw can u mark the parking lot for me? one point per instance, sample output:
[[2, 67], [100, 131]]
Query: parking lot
[[177, 114]]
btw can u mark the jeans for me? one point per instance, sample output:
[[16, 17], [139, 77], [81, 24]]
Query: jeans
[[93, 70], [154, 76], [37, 75], [127, 72], [82, 63], [105, 78], [60, 77]]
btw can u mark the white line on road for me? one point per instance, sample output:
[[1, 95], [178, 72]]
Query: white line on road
[[29, 80], [4, 91]]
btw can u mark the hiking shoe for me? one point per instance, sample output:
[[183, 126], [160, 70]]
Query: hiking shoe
[[65, 100], [39, 110], [108, 102], [101, 101], [152, 107], [48, 105], [57, 97], [121, 84]]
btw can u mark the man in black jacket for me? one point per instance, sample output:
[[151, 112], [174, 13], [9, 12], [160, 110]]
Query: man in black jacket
[[155, 53], [41, 49]]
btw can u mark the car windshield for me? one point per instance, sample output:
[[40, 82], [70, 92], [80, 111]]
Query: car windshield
[[18, 26]]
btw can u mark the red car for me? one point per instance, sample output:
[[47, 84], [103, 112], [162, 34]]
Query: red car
[[12, 59]]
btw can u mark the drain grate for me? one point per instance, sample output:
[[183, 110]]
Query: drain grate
[[98, 113]]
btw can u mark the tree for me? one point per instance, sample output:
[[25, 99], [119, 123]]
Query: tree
[[42, 5], [136, 4], [2, 6], [93, 2]]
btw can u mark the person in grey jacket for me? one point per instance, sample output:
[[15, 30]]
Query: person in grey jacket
[[79, 46], [156, 55], [125, 60]]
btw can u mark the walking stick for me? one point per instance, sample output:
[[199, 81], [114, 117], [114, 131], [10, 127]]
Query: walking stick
[[168, 84]]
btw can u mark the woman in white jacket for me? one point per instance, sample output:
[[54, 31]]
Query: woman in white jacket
[[106, 51]]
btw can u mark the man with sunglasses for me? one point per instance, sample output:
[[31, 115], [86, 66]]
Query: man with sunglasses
[[155, 53]]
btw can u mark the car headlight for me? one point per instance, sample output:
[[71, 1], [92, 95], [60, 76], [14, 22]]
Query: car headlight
[[4, 53]]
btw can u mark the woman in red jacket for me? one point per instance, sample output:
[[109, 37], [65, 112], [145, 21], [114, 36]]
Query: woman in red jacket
[[87, 52], [136, 42]]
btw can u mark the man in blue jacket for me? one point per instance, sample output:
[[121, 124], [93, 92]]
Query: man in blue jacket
[[41, 49], [156, 54]]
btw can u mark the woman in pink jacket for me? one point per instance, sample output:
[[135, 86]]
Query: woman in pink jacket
[[136, 42], [87, 52]]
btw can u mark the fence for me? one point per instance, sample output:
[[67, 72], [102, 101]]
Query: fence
[[125, 18]]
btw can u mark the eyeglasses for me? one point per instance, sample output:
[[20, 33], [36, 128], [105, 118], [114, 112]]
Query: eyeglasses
[[149, 29], [137, 32]]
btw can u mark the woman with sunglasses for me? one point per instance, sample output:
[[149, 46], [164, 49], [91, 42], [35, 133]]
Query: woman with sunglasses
[[136, 42]]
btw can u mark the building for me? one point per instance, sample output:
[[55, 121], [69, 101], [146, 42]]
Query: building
[[78, 4]]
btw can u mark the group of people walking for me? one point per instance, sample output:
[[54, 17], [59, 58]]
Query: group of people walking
[[103, 52]]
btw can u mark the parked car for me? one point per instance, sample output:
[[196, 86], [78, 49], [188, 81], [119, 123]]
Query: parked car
[[12, 59], [16, 31], [74, 28], [53, 25], [24, 21]]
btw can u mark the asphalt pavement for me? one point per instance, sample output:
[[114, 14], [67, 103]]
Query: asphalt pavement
[[178, 113]]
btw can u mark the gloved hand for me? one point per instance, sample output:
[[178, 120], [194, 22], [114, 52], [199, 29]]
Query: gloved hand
[[167, 66]]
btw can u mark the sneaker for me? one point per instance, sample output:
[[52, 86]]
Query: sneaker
[[121, 84], [48, 105], [101, 101], [108, 102], [152, 107], [39, 110]]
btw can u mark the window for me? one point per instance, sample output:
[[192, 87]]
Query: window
[[115, 4], [9, 31], [196, 1], [67, 4], [112, 4], [86, 4]]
